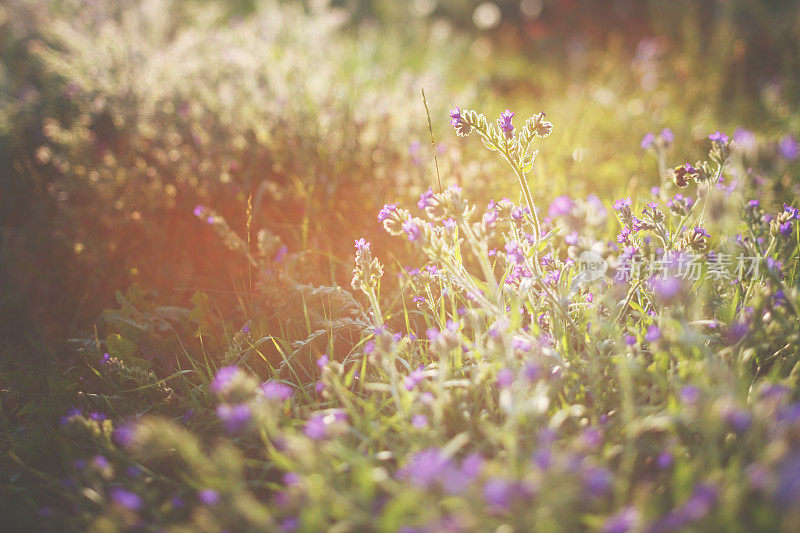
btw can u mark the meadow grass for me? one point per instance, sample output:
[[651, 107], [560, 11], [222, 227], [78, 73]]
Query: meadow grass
[[576, 309]]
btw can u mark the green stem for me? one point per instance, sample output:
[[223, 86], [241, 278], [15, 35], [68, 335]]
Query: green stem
[[376, 309]]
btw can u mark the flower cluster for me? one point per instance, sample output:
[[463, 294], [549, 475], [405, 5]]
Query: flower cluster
[[517, 391], [368, 270], [662, 141]]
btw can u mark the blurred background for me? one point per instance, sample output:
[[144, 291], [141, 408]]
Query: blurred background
[[118, 118]]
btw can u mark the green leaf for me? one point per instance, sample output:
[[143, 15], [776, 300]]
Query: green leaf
[[120, 347], [173, 313], [123, 349], [528, 165], [488, 144], [43, 407]]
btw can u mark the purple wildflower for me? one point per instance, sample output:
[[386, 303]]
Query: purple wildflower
[[521, 345], [424, 198], [276, 391], [664, 460], [223, 379], [322, 362], [280, 254], [774, 392], [514, 252], [653, 333], [718, 138], [647, 141], [505, 123], [533, 371], [208, 496], [789, 148], [667, 136], [690, 394], [745, 140], [738, 419], [386, 211], [572, 238], [124, 434], [290, 479], [412, 229], [622, 203], [505, 377], [472, 465], [624, 235], [127, 499], [425, 468], [552, 277], [774, 266], [592, 437], [315, 428], [498, 493], [542, 458], [290, 524], [737, 330], [414, 378], [596, 480], [362, 245], [560, 206], [419, 421], [455, 116], [680, 201], [235, 417], [667, 288]]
